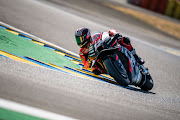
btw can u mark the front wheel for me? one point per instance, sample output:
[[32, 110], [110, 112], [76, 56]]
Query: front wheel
[[148, 83], [117, 71]]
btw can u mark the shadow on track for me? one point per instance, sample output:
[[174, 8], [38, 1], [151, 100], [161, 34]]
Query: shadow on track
[[127, 87], [137, 89]]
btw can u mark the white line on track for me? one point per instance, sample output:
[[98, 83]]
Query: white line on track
[[36, 112]]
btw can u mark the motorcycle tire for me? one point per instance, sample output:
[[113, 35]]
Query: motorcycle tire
[[148, 84], [114, 71]]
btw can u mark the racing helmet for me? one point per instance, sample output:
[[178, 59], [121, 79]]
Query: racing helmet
[[83, 36], [112, 32]]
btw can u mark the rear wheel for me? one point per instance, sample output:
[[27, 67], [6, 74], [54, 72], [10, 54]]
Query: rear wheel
[[117, 71]]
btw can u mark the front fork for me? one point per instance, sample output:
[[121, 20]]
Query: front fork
[[145, 73], [144, 70]]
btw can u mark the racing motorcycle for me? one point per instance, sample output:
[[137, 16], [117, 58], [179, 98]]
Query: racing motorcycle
[[119, 63]]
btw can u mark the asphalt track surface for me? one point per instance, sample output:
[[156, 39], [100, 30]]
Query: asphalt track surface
[[56, 21]]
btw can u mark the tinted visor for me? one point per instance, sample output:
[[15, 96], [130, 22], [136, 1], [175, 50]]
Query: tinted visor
[[79, 40], [82, 41]]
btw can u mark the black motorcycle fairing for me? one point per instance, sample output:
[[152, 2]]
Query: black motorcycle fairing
[[116, 70]]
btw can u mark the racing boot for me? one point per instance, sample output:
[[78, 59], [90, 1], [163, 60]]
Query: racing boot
[[138, 59]]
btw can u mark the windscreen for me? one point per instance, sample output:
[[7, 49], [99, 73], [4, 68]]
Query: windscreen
[[96, 35]]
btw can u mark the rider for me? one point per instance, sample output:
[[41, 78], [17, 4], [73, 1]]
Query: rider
[[84, 38]]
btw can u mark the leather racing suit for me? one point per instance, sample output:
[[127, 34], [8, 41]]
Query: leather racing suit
[[84, 52]]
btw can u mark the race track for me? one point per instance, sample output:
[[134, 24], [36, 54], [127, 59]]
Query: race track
[[81, 98]]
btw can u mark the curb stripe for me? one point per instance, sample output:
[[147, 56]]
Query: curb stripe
[[3, 56], [72, 71], [16, 33], [35, 40], [42, 44], [82, 73], [33, 61], [9, 55], [2, 27], [42, 63], [99, 77]]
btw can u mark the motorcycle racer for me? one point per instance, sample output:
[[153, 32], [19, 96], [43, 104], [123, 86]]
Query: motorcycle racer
[[84, 39]]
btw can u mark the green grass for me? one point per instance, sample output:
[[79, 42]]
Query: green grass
[[17, 45], [6, 114]]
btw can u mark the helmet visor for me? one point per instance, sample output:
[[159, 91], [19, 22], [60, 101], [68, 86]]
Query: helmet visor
[[82, 41], [79, 40]]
